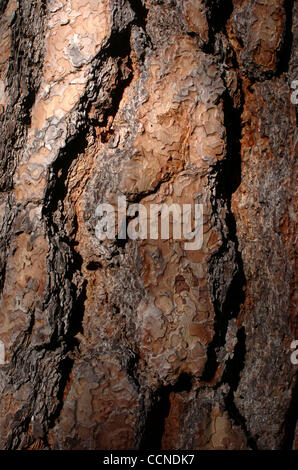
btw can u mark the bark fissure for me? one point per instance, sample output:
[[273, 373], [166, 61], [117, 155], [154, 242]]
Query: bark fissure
[[153, 430]]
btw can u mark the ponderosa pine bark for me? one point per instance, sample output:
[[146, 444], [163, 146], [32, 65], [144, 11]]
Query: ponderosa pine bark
[[141, 344]]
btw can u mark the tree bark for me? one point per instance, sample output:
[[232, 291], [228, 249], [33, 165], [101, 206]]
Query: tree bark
[[143, 344]]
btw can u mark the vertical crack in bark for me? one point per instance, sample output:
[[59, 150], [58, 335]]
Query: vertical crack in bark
[[218, 13], [232, 377], [141, 13], [291, 420], [3, 6], [284, 54], [225, 179], [118, 49], [153, 429]]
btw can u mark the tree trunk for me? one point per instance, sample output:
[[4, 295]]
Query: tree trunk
[[119, 343]]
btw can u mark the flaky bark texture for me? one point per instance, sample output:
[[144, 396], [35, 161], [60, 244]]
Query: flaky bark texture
[[123, 344]]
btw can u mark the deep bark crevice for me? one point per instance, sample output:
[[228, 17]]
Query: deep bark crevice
[[153, 430], [141, 13], [283, 56], [218, 12], [226, 177], [291, 420], [232, 377], [118, 48]]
